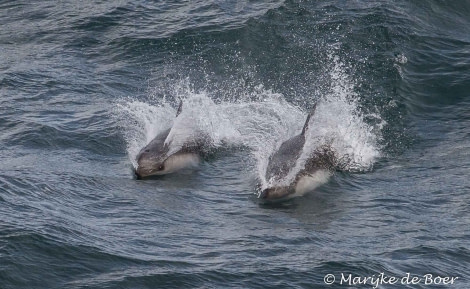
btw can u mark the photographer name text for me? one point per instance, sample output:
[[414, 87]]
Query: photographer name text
[[381, 279]]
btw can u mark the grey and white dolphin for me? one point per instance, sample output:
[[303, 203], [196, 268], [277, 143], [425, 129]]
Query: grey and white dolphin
[[316, 171], [160, 158]]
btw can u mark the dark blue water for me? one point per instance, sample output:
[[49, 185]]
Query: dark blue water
[[84, 85]]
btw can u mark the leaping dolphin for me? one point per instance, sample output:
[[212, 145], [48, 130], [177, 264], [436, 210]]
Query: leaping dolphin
[[315, 172], [160, 158]]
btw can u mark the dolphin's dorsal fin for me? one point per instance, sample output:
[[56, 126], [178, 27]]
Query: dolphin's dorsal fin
[[312, 111], [180, 108]]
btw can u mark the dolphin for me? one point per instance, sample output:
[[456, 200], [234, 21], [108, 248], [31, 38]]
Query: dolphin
[[160, 158], [316, 171]]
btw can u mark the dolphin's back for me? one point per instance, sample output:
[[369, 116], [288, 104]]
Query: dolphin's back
[[285, 157], [161, 137], [157, 144]]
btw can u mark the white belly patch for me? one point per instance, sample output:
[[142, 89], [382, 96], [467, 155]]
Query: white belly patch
[[310, 182]]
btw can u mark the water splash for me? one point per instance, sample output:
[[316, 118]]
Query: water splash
[[200, 118], [141, 122], [261, 122], [341, 124], [337, 125]]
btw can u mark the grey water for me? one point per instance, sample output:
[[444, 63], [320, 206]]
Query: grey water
[[84, 85]]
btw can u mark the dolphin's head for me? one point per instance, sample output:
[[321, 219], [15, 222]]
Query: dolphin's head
[[151, 161], [156, 161]]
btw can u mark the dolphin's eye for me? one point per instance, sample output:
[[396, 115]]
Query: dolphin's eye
[[147, 151], [160, 168]]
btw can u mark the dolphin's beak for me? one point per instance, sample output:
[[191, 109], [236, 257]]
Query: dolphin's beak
[[275, 193], [140, 173], [137, 175], [264, 194]]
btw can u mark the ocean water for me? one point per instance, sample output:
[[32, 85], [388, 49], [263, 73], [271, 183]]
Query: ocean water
[[84, 85]]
